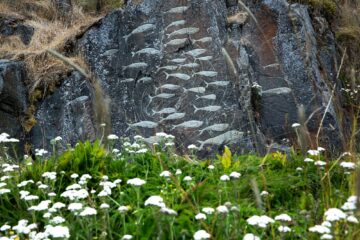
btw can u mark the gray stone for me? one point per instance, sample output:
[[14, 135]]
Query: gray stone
[[13, 98], [279, 51], [66, 113], [13, 25]]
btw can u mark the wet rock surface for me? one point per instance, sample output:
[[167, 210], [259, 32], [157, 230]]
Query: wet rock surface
[[187, 68], [66, 113], [13, 98]]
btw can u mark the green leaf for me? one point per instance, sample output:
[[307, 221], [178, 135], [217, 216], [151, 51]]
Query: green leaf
[[226, 158]]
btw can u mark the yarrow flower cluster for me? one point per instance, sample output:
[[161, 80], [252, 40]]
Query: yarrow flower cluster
[[260, 221]]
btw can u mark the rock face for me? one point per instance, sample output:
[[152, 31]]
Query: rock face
[[188, 67], [210, 72], [13, 98], [13, 25], [66, 113]]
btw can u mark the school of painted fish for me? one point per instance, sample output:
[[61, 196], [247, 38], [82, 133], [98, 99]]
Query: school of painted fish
[[178, 34]]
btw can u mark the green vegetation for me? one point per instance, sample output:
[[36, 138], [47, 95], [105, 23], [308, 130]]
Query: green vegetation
[[97, 192]]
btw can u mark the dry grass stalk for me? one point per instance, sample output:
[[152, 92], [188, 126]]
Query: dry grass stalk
[[100, 102]]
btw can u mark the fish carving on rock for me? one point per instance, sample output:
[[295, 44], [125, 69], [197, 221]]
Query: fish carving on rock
[[225, 138]]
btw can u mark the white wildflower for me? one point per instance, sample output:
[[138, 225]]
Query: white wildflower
[[57, 220], [321, 149], [264, 193], [104, 206], [200, 216], [208, 210], [222, 209], [235, 175], [161, 134], [313, 152], [112, 137], [225, 178], [5, 227], [201, 234], [4, 190], [308, 160], [326, 224], [250, 236], [352, 219], [334, 214], [74, 175], [187, 179], [168, 211], [320, 163], [319, 229], [165, 174], [43, 205], [260, 221], [123, 209], [283, 217], [348, 165], [127, 237], [75, 207], [88, 211], [326, 236], [192, 147], [155, 201], [284, 229], [31, 198], [211, 167], [57, 231], [136, 182], [49, 175]]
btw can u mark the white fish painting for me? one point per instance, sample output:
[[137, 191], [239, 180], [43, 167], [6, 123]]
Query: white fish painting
[[136, 65], [196, 52], [205, 58], [176, 42], [144, 80], [127, 80], [203, 40], [219, 127], [174, 116], [142, 124], [181, 9], [110, 52], [212, 108], [189, 124], [169, 67], [168, 87], [225, 138], [206, 74], [189, 31], [181, 76], [165, 111], [195, 90], [178, 60], [217, 83], [149, 51], [141, 29], [162, 95], [207, 97], [189, 65], [176, 24]]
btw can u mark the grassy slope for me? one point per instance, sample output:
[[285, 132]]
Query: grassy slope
[[304, 195]]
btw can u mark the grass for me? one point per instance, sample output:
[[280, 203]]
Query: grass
[[238, 188]]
